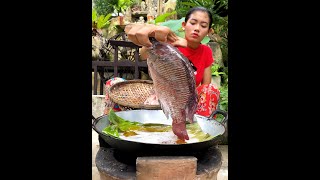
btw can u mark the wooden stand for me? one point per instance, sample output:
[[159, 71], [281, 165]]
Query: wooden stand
[[166, 167], [159, 167]]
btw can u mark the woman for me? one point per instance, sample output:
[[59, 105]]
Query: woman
[[197, 25]]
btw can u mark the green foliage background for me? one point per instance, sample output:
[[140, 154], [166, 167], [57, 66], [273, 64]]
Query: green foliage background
[[104, 7], [218, 9]]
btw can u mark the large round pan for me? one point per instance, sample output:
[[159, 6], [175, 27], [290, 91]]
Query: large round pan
[[208, 125]]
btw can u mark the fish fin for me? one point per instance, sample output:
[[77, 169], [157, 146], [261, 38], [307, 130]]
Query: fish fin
[[164, 109], [149, 69], [189, 116], [191, 108]]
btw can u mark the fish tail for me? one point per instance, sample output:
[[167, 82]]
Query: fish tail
[[179, 126]]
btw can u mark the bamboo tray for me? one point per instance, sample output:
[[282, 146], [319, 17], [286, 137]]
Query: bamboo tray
[[132, 93]]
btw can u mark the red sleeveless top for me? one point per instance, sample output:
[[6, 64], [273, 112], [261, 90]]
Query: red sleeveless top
[[200, 58]]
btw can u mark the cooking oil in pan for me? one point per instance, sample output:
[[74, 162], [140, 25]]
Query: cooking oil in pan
[[164, 135]]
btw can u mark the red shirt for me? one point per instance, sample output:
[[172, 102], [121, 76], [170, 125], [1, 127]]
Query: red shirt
[[200, 58]]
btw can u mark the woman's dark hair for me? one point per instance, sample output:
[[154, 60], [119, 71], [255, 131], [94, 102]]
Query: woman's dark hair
[[199, 8]]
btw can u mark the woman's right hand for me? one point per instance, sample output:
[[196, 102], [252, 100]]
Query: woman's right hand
[[139, 34]]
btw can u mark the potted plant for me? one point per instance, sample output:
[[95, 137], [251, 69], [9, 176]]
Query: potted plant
[[120, 6]]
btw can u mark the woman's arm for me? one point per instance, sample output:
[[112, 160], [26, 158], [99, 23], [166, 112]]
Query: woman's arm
[[206, 76], [139, 34]]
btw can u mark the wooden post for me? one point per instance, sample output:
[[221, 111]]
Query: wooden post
[[115, 61]]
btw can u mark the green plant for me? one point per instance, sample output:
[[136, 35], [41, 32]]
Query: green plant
[[163, 17], [100, 22], [121, 5], [215, 70], [223, 104], [216, 7], [105, 7]]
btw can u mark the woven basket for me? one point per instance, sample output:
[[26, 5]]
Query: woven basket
[[132, 93]]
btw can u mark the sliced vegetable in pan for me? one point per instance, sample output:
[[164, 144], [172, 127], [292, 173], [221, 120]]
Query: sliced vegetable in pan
[[120, 125]]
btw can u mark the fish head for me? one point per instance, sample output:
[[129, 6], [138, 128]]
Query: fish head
[[159, 50]]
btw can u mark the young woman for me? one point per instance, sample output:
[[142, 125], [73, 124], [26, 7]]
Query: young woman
[[197, 25]]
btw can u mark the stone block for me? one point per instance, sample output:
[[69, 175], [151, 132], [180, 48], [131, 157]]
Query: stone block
[[98, 105], [166, 168]]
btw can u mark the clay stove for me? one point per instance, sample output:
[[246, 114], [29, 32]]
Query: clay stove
[[115, 165]]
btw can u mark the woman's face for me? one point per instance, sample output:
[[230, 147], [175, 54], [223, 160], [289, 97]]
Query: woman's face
[[197, 26]]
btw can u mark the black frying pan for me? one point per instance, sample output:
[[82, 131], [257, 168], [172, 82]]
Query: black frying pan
[[208, 125]]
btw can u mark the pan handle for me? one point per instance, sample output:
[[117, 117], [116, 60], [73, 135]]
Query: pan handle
[[218, 111], [93, 119], [93, 122]]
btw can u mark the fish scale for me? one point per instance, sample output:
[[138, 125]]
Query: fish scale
[[174, 84]]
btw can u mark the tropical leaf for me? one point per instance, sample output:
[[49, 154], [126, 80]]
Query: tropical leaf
[[100, 22], [103, 21], [94, 15], [205, 40], [163, 17], [107, 17], [174, 25], [122, 5], [180, 34]]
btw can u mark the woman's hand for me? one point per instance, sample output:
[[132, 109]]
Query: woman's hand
[[139, 34]]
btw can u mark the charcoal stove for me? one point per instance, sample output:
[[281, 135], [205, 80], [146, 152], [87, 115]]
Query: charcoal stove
[[113, 164]]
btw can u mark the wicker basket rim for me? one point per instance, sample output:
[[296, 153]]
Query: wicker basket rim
[[128, 104]]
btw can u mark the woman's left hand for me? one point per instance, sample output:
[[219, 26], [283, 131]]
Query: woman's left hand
[[139, 34], [180, 42]]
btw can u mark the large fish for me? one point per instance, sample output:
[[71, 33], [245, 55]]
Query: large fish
[[174, 85]]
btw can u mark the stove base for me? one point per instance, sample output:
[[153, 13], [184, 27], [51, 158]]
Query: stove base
[[110, 167]]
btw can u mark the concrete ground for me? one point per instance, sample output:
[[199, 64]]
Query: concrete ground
[[97, 110]]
